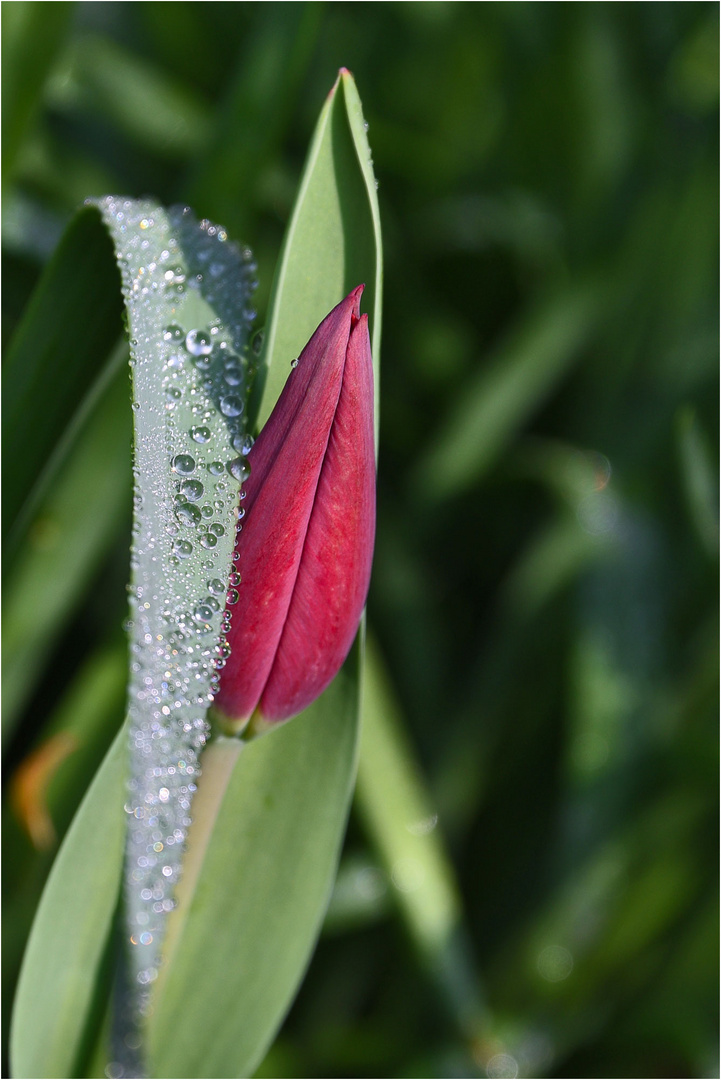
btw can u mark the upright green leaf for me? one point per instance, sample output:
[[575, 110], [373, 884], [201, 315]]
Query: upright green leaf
[[332, 243], [262, 858]]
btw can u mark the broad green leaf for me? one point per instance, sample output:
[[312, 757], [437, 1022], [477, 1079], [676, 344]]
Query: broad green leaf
[[72, 529], [332, 243], [63, 961], [241, 939], [266, 856], [71, 326]]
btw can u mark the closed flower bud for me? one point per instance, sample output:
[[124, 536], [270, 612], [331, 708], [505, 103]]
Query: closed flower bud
[[306, 544]]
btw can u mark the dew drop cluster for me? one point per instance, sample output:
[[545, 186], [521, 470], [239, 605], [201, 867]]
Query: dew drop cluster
[[188, 292]]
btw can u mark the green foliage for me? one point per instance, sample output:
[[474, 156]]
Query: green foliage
[[265, 881], [55, 1007], [544, 583]]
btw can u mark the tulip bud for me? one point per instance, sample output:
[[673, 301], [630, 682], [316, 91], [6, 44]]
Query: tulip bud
[[306, 544]]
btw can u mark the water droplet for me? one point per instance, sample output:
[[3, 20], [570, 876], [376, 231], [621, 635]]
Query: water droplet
[[215, 585], [187, 514], [217, 528], [233, 373], [183, 464], [256, 343], [294, 363], [209, 540], [207, 510], [198, 342], [231, 405], [216, 468], [239, 469], [173, 333], [232, 597], [200, 434], [212, 603], [203, 613], [183, 548], [234, 578], [173, 392], [192, 489]]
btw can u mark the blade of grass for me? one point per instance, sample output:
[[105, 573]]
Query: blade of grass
[[65, 545], [255, 113], [514, 382], [33, 35], [70, 326], [401, 824]]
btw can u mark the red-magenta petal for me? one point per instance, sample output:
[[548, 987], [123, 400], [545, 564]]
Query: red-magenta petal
[[303, 451], [335, 567]]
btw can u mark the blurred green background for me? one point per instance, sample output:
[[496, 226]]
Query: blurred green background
[[543, 611]]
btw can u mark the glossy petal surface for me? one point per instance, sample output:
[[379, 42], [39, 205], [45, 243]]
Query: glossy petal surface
[[306, 546]]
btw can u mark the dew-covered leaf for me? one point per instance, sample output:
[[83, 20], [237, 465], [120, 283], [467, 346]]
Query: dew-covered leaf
[[187, 290]]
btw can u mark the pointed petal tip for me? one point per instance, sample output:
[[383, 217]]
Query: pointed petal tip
[[356, 294]]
